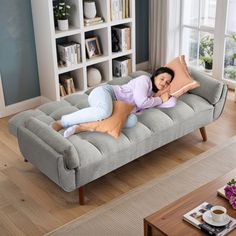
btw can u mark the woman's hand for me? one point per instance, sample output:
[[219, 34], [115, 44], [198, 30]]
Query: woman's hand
[[165, 97]]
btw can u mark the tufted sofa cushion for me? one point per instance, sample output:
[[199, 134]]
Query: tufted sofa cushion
[[92, 148]]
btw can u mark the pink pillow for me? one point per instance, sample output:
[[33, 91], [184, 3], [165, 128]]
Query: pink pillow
[[182, 81]]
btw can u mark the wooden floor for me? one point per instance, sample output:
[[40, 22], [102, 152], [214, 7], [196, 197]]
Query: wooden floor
[[30, 204]]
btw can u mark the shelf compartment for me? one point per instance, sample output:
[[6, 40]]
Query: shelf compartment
[[103, 41], [74, 17], [122, 66], [102, 9], [72, 55], [78, 80], [123, 37], [104, 68]]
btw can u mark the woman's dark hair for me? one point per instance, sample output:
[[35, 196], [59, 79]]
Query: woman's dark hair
[[159, 71]]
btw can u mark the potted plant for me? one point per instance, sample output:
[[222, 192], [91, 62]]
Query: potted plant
[[206, 51], [208, 62], [62, 12], [234, 55]]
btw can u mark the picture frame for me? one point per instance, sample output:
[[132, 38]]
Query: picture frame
[[93, 47]]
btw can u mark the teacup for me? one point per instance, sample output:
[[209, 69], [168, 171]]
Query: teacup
[[218, 213]]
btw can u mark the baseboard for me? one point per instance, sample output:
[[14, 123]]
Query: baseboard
[[20, 106], [143, 66]]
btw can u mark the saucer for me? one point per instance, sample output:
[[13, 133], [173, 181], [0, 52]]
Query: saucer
[[208, 219]]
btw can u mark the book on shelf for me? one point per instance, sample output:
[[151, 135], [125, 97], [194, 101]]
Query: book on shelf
[[126, 8], [123, 9], [72, 85], [123, 33], [116, 9], [68, 83], [194, 217], [62, 90], [121, 66], [93, 23], [69, 53], [88, 20], [119, 9]]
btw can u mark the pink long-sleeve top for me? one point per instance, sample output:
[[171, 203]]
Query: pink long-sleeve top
[[139, 92]]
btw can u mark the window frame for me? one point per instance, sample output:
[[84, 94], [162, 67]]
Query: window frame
[[219, 32]]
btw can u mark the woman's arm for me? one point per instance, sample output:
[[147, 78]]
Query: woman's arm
[[140, 94], [169, 103]]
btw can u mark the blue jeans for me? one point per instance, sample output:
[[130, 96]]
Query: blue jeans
[[101, 106]]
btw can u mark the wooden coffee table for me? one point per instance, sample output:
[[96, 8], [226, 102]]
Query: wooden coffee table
[[169, 220]]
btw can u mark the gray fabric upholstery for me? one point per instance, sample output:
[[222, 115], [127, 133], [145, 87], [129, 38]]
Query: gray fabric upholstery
[[220, 105], [54, 140], [83, 157], [46, 159], [19, 119], [210, 89]]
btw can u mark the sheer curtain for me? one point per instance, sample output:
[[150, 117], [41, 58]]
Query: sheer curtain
[[164, 31]]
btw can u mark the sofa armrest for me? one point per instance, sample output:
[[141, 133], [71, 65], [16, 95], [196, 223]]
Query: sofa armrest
[[55, 140], [210, 89], [19, 120], [46, 159]]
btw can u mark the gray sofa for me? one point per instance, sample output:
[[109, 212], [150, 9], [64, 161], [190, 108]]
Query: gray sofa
[[72, 163]]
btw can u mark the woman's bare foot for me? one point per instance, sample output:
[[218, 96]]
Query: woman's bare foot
[[56, 125]]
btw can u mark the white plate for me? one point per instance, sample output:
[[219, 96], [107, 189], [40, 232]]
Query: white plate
[[208, 219]]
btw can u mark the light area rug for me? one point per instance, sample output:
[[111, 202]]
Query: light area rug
[[124, 216]]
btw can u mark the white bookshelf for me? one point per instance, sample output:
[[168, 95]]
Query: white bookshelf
[[47, 36]]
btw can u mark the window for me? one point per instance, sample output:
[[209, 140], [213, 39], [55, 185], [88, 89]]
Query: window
[[207, 27]]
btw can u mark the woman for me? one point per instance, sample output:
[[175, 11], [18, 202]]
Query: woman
[[144, 92]]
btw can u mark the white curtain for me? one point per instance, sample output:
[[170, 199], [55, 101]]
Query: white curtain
[[164, 31]]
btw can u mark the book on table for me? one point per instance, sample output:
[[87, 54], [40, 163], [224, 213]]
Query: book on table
[[221, 192], [194, 217]]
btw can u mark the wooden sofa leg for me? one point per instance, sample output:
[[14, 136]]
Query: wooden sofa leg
[[203, 133], [81, 195]]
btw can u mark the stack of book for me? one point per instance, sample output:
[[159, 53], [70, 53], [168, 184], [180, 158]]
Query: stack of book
[[69, 53], [119, 9], [194, 217], [94, 21], [121, 66], [66, 85], [123, 35]]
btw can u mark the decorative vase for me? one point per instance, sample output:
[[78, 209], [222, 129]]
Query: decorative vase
[[94, 76], [89, 9], [63, 24]]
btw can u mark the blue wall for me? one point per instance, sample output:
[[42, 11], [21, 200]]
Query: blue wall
[[18, 63], [142, 37]]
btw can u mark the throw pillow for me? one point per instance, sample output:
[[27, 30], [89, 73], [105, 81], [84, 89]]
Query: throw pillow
[[113, 124], [182, 81]]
